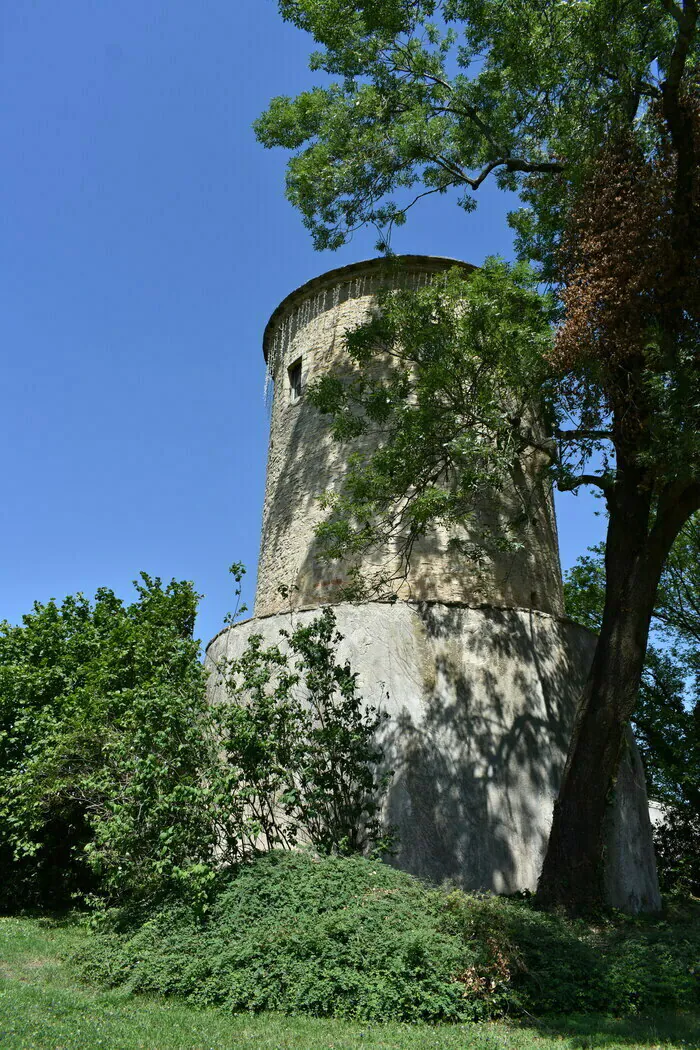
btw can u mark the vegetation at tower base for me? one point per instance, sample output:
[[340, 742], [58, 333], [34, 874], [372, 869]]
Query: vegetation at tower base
[[117, 777], [300, 748], [667, 719], [352, 937], [103, 739], [591, 112]]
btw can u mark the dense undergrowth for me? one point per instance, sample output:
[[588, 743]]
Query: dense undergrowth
[[43, 1006], [354, 938]]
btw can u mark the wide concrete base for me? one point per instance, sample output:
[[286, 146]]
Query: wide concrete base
[[481, 704]]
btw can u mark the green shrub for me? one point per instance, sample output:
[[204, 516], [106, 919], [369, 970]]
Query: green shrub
[[677, 841], [299, 746], [352, 937], [102, 709], [341, 936], [119, 779]]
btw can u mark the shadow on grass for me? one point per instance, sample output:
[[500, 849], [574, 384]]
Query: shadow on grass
[[589, 1031]]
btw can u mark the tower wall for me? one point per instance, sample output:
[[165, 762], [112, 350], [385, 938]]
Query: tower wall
[[481, 704], [305, 463]]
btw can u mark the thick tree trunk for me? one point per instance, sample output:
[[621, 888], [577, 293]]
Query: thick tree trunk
[[573, 871]]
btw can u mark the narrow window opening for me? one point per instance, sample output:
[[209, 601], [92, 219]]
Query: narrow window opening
[[294, 372]]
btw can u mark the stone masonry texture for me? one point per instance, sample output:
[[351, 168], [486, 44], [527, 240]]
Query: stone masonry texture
[[304, 463], [481, 703]]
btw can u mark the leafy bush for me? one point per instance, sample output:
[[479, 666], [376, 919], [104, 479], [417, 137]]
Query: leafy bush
[[102, 743], [293, 932], [300, 746], [117, 778], [677, 841], [352, 937]]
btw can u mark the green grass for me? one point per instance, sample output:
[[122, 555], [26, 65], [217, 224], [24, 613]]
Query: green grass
[[44, 1006]]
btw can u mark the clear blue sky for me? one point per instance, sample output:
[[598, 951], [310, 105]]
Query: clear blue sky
[[145, 239]]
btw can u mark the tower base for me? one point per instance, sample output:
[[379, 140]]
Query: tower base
[[481, 704]]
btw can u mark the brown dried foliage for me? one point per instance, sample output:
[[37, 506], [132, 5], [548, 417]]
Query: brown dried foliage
[[631, 249], [483, 981]]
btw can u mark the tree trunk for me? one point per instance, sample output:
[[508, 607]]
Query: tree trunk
[[573, 871]]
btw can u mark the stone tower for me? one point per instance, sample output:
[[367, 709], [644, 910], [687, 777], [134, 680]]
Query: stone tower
[[478, 669]]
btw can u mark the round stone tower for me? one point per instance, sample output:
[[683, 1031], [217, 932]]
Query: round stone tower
[[477, 668]]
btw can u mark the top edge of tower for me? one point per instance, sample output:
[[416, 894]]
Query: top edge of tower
[[423, 263]]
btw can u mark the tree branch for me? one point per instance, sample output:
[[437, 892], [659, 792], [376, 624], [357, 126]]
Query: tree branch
[[509, 163], [518, 164], [471, 113], [686, 20], [673, 10], [599, 480], [450, 167], [676, 504], [643, 86]]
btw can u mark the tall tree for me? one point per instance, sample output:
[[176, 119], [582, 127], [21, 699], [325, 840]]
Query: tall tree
[[667, 719], [590, 110]]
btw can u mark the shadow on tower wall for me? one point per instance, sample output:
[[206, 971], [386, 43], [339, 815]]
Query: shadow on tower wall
[[477, 770]]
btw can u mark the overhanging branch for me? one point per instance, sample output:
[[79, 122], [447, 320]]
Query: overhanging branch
[[600, 481], [509, 163], [517, 164]]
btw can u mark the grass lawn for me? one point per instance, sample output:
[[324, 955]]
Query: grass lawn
[[44, 1006]]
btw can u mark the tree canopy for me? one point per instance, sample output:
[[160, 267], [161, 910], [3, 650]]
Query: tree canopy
[[436, 95]]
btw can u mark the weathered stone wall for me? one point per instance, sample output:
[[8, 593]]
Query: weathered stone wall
[[304, 463], [481, 705]]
